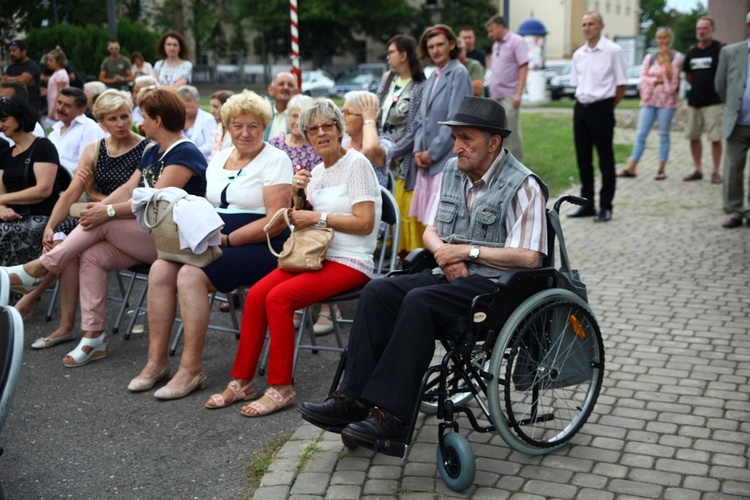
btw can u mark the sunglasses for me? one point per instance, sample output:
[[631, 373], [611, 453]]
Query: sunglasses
[[326, 127]]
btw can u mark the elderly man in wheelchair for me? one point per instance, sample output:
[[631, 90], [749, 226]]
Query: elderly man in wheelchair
[[491, 217]]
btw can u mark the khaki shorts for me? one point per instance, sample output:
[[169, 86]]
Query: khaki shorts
[[706, 119]]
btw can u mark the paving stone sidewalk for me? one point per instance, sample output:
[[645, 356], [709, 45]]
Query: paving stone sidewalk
[[671, 290]]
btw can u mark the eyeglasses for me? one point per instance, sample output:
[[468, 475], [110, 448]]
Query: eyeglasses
[[326, 127], [390, 52], [346, 112]]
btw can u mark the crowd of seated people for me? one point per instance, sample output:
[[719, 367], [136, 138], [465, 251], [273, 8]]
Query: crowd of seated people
[[158, 136]]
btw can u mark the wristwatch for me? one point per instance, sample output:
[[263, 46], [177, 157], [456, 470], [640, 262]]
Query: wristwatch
[[474, 252], [110, 211], [322, 222]]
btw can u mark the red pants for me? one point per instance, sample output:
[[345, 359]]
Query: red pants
[[270, 305]]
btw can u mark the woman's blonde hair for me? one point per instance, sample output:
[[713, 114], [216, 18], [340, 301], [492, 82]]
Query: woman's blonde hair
[[246, 103], [110, 101]]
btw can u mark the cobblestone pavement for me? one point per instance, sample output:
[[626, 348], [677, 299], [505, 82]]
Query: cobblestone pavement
[[671, 290]]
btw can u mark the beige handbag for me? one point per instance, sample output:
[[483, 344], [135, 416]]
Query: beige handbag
[[305, 249], [158, 217]]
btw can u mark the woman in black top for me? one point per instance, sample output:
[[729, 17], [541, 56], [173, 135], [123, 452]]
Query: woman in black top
[[29, 185]]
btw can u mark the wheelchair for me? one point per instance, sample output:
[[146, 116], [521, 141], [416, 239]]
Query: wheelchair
[[530, 354]]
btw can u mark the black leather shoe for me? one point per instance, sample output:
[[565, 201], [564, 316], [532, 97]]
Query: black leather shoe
[[335, 413], [381, 424], [603, 216], [583, 212], [733, 222]]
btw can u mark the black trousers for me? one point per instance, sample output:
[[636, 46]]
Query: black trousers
[[594, 126], [393, 336]]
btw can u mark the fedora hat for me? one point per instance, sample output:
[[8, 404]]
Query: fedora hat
[[482, 113]]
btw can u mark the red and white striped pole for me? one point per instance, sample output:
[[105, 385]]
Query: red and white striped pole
[[296, 71]]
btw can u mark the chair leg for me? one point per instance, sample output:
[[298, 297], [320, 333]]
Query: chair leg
[[138, 307], [124, 306], [53, 301], [175, 340]]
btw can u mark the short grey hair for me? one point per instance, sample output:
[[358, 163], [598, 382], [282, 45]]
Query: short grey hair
[[145, 81], [189, 91], [354, 95], [300, 101], [322, 107], [94, 88]]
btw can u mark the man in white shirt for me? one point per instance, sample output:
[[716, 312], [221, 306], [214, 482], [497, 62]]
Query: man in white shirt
[[282, 88], [9, 89], [600, 76], [75, 130]]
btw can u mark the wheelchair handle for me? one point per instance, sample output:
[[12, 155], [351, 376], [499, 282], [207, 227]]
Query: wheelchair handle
[[575, 200]]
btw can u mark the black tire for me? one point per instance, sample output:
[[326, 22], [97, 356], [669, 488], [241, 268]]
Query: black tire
[[548, 366], [458, 467]]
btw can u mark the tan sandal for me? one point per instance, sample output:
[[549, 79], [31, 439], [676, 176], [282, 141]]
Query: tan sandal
[[238, 393], [280, 402]]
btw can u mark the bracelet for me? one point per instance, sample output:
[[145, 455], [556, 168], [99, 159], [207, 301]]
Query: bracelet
[[367, 122], [229, 243]]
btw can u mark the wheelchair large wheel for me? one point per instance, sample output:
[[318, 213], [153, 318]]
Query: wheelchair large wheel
[[458, 467], [548, 365], [457, 387]]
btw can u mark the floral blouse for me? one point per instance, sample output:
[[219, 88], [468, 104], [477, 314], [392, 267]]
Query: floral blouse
[[664, 94], [302, 156]]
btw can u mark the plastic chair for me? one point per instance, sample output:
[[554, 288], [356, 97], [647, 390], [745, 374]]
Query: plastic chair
[[11, 357]]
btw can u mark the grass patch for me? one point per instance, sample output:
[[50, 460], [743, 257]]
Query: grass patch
[[310, 451], [626, 103], [262, 459], [549, 150]]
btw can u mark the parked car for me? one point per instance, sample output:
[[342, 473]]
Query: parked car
[[356, 81], [553, 68], [634, 76], [317, 83], [559, 85]]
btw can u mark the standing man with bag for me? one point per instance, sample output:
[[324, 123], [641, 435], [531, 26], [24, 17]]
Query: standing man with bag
[[600, 76]]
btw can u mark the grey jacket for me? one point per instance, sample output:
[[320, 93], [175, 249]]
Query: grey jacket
[[454, 84], [730, 80]]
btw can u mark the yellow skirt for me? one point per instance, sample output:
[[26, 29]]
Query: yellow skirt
[[411, 229]]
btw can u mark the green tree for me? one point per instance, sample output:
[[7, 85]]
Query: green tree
[[684, 28], [472, 13], [327, 27], [654, 13]]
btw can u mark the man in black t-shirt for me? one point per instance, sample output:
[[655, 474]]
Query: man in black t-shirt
[[705, 108], [23, 70]]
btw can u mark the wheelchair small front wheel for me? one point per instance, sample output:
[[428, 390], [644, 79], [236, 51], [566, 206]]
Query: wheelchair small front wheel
[[548, 366], [457, 466]]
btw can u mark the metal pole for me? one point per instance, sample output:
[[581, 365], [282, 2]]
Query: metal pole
[[296, 71]]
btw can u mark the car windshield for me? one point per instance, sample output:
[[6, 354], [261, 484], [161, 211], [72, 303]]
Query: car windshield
[[356, 79]]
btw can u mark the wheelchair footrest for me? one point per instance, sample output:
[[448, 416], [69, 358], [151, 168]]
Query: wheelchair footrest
[[390, 448]]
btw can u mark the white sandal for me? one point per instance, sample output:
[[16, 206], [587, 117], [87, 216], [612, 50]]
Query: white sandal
[[28, 282], [99, 350]]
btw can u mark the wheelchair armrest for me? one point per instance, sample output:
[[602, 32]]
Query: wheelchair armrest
[[418, 260], [511, 276]]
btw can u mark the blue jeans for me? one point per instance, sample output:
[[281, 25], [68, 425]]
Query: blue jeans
[[646, 119]]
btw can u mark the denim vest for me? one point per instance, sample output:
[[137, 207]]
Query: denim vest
[[485, 225]]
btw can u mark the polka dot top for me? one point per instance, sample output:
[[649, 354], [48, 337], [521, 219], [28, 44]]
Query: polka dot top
[[112, 172]]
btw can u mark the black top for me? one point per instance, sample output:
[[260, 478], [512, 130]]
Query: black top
[[30, 67], [77, 80], [701, 64], [186, 153], [13, 168], [478, 55]]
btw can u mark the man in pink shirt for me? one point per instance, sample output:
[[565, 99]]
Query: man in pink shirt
[[600, 76], [510, 65]]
